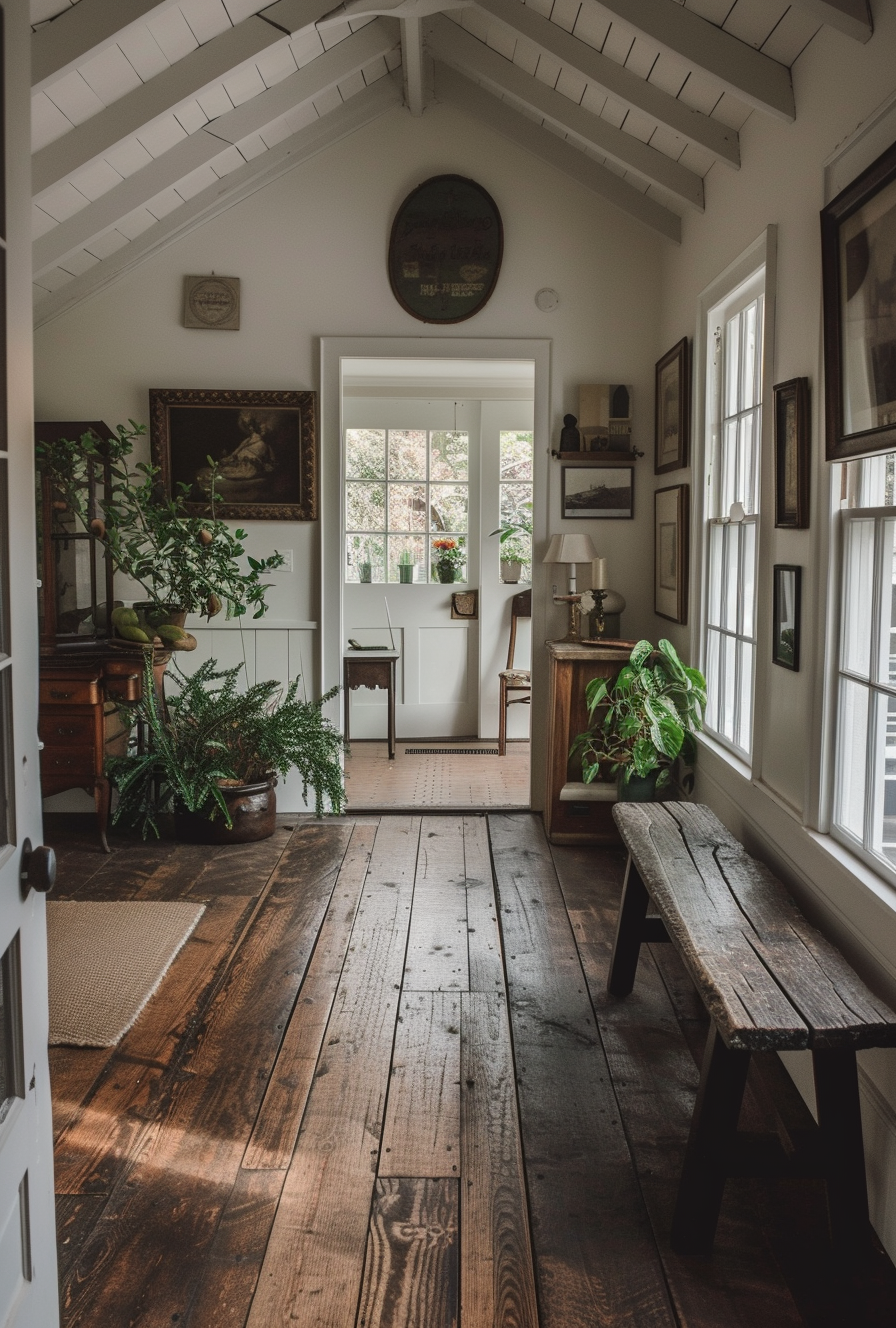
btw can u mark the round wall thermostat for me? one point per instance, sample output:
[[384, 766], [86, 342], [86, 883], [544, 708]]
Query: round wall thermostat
[[547, 299]]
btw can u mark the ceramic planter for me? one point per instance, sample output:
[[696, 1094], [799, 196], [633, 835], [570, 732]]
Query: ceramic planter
[[365, 573], [511, 571], [253, 811], [446, 573], [638, 788], [406, 573]]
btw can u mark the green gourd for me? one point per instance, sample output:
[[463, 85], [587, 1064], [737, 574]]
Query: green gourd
[[122, 617], [134, 634]]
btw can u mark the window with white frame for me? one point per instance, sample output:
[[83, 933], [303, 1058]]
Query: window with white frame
[[731, 514], [864, 809]]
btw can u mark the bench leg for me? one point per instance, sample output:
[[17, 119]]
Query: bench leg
[[840, 1123], [706, 1162], [629, 932]]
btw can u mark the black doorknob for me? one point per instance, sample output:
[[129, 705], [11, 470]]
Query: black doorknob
[[38, 868]]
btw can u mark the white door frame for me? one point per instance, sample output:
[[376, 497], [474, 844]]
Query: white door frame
[[333, 350]]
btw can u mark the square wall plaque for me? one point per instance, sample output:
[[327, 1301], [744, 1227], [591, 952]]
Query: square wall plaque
[[212, 302]]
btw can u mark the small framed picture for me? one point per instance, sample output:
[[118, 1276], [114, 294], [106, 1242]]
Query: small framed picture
[[672, 409], [599, 492], [670, 593], [792, 454], [786, 634]]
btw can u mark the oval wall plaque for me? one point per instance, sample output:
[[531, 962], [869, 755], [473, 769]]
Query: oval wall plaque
[[445, 250]]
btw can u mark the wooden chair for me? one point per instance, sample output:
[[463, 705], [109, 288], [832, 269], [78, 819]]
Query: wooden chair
[[514, 680]]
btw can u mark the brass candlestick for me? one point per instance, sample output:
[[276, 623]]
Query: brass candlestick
[[573, 632], [599, 623]]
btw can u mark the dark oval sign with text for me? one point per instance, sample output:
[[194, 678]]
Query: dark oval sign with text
[[445, 250]]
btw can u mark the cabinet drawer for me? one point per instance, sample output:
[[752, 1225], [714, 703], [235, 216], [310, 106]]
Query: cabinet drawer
[[60, 727], [64, 763], [69, 691], [124, 688]]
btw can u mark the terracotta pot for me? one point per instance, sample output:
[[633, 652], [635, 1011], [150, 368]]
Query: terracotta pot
[[253, 811]]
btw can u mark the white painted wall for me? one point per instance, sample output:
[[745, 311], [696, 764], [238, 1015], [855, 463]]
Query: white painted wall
[[838, 85], [311, 252]]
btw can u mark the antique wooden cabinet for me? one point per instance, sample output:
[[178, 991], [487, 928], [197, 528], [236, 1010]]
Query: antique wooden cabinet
[[82, 676], [574, 812]]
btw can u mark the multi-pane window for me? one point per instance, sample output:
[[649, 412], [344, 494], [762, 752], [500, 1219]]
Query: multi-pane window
[[864, 811], [515, 497], [734, 419], [404, 488]]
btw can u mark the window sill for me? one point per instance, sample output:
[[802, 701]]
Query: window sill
[[736, 763], [863, 872]]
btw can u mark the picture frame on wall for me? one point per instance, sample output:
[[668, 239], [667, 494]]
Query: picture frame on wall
[[858, 258], [264, 445], [671, 515], [786, 616], [672, 409], [792, 454], [594, 493]]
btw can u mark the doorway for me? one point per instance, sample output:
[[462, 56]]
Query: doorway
[[422, 432]]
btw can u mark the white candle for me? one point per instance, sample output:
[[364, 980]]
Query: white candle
[[599, 574]]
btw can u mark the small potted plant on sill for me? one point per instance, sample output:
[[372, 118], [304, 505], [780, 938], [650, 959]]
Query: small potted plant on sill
[[406, 567], [644, 722], [516, 544], [212, 754], [448, 559], [184, 564]]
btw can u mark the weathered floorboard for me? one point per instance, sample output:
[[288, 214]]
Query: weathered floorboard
[[483, 933], [411, 1269], [437, 945], [421, 1136]]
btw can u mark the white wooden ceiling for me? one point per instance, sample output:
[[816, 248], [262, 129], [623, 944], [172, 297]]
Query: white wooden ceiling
[[150, 116]]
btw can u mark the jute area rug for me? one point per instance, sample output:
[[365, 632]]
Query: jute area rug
[[105, 962]]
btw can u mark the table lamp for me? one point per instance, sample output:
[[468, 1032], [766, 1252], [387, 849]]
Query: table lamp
[[571, 549]]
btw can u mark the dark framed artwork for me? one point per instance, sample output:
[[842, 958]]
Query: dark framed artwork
[[858, 261], [672, 414], [599, 492], [670, 579], [445, 250], [264, 444], [786, 630], [792, 454]]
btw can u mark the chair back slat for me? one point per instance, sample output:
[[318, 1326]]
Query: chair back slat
[[520, 607]]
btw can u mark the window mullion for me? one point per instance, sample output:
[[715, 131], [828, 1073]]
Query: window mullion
[[871, 771]]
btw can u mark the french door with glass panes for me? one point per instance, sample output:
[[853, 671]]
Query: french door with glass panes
[[28, 1294]]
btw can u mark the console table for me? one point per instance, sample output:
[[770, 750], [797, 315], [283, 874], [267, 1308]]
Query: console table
[[370, 668], [575, 812]]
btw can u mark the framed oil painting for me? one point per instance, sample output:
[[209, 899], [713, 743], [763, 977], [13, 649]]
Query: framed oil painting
[[670, 584], [858, 258], [263, 443], [599, 492], [672, 409], [786, 631], [792, 454], [445, 250]]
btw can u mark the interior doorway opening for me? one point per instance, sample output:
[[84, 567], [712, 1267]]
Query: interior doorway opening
[[436, 455]]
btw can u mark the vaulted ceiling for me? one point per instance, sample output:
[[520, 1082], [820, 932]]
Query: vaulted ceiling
[[150, 116]]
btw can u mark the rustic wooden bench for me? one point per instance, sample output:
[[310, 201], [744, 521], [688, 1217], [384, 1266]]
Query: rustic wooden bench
[[770, 982]]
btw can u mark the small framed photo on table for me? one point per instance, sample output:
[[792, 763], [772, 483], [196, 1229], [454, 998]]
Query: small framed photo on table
[[786, 631], [792, 454], [670, 585]]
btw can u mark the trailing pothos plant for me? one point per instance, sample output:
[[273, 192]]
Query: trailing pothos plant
[[209, 733], [181, 561], [646, 719]]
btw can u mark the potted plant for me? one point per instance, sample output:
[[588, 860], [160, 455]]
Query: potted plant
[[406, 567], [184, 564], [212, 754], [448, 559], [644, 722], [516, 543]]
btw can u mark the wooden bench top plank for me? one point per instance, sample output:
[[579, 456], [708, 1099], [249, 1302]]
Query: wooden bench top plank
[[747, 1005], [838, 1007], [754, 915]]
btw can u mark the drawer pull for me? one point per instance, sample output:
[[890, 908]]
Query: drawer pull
[[61, 696]]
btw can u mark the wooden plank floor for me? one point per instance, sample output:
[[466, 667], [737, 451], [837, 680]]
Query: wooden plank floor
[[382, 1087]]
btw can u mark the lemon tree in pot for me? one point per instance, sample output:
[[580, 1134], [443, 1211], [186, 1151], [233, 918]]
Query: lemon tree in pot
[[213, 752], [184, 564], [643, 722]]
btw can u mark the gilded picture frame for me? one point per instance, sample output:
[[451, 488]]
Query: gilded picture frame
[[792, 454], [670, 557], [672, 409]]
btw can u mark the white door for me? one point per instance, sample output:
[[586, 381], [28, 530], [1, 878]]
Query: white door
[[28, 1291], [411, 478]]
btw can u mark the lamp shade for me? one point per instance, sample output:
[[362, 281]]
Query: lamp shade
[[570, 549]]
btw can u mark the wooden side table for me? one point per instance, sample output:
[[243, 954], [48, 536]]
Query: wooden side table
[[574, 812], [370, 668]]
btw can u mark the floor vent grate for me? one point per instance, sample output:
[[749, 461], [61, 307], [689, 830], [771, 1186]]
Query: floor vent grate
[[451, 751]]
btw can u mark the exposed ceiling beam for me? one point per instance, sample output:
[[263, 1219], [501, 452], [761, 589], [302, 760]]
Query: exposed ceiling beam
[[360, 110], [466, 53], [412, 64], [458, 91], [84, 28], [292, 16], [850, 16], [616, 80], [159, 95], [341, 61], [744, 71]]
